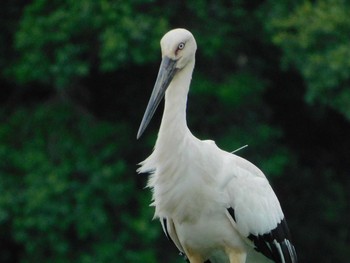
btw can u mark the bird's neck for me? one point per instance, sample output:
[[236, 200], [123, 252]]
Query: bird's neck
[[174, 125]]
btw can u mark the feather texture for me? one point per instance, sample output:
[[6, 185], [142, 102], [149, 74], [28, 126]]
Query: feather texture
[[215, 206]]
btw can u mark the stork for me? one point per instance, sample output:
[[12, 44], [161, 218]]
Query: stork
[[214, 205]]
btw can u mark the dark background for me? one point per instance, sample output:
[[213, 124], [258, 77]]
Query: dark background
[[75, 79]]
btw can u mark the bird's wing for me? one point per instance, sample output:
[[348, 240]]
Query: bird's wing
[[255, 211]]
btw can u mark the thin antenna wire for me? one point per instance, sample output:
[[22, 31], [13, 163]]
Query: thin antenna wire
[[240, 148]]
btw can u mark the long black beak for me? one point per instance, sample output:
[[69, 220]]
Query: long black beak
[[166, 73]]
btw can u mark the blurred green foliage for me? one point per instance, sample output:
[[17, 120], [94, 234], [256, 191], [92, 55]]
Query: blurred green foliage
[[65, 193], [75, 79], [314, 38], [60, 41]]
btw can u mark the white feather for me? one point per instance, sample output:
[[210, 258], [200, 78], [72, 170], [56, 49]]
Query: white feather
[[194, 182]]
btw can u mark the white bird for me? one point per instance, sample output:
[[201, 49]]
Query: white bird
[[215, 206]]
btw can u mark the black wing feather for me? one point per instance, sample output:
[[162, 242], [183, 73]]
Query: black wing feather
[[276, 244]]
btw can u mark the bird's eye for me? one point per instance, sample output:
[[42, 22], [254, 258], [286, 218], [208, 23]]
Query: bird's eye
[[181, 46]]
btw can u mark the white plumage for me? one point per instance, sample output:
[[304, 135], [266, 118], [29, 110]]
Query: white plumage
[[214, 205]]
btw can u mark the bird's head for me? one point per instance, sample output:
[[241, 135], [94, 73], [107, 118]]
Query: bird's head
[[178, 50], [179, 46]]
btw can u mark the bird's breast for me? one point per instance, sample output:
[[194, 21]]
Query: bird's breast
[[186, 183], [183, 196]]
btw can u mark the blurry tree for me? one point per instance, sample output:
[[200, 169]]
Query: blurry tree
[[65, 196], [314, 38], [61, 41], [10, 13]]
